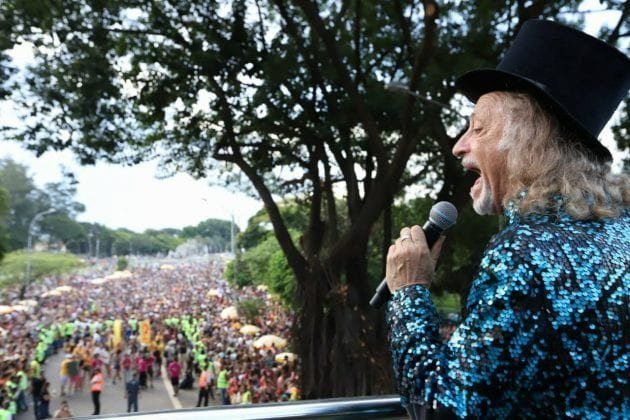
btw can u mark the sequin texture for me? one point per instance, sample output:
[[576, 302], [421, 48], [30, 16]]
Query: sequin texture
[[546, 331]]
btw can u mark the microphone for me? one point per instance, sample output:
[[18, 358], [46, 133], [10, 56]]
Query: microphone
[[442, 216]]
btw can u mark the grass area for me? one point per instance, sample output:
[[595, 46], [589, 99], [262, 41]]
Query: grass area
[[43, 264]]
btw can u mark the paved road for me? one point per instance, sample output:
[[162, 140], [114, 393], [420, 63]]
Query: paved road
[[160, 397]]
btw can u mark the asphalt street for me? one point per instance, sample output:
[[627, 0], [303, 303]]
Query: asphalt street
[[113, 401]]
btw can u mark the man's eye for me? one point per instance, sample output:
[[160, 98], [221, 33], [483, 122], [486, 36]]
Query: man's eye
[[477, 129]]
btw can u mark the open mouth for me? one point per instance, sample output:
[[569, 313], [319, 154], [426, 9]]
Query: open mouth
[[471, 168]]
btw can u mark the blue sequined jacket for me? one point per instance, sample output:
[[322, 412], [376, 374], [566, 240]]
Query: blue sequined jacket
[[546, 331]]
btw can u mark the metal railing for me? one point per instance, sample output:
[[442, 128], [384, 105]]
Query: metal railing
[[383, 407]]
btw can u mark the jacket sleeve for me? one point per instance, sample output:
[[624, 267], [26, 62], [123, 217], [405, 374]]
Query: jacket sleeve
[[491, 357]]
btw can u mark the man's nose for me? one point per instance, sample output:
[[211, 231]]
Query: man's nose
[[461, 147]]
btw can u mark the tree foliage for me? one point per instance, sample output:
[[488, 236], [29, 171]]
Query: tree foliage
[[264, 264], [293, 95], [215, 232], [4, 214], [251, 308]]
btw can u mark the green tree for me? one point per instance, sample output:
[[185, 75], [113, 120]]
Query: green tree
[[25, 201], [251, 308], [290, 94], [4, 214], [122, 263], [215, 232], [62, 228]]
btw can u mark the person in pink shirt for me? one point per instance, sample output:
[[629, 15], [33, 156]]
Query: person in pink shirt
[[150, 360], [141, 367], [174, 370], [97, 362]]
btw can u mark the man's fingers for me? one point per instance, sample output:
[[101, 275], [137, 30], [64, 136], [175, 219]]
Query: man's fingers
[[437, 248], [417, 234]]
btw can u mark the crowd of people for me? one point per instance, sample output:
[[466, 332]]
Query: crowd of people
[[128, 330]]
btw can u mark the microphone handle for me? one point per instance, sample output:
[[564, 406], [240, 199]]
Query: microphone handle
[[382, 294]]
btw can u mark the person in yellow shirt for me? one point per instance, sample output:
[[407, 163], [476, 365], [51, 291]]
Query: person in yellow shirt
[[294, 391], [63, 373], [246, 395]]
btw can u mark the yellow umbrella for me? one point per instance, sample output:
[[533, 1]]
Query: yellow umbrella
[[6, 309], [290, 356], [65, 289], [98, 281], [249, 329], [53, 292], [262, 287], [27, 302], [119, 275], [269, 340], [213, 293], [229, 313], [167, 267]]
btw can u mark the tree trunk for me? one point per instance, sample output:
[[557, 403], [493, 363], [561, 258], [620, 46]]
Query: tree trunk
[[23, 291], [340, 338]]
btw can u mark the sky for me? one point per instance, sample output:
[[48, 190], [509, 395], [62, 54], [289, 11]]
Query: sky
[[134, 198]]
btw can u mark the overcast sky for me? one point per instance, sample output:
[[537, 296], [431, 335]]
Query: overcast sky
[[132, 197]]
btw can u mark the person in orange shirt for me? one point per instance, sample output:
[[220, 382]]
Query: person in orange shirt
[[97, 388], [203, 389]]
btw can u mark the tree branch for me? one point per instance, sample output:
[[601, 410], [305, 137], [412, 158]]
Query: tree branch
[[367, 120], [616, 32], [294, 257]]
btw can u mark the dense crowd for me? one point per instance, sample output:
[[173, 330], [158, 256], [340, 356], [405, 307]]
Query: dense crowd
[[158, 320]]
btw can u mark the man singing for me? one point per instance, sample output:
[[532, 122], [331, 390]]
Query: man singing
[[546, 330]]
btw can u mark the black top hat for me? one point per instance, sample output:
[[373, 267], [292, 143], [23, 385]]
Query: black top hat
[[580, 78]]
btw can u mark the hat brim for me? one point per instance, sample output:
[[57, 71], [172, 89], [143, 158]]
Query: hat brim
[[476, 83]]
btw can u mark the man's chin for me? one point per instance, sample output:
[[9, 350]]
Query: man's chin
[[484, 206]]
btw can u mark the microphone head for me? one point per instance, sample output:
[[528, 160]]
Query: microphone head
[[443, 214]]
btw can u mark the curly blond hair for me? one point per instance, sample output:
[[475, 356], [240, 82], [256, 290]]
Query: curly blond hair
[[544, 159]]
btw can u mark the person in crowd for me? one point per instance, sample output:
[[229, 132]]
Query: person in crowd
[[22, 387], [37, 385], [203, 389], [44, 401], [174, 370], [117, 365], [545, 313], [64, 375], [63, 412], [126, 366], [222, 384], [132, 390], [96, 387], [149, 362], [141, 367]]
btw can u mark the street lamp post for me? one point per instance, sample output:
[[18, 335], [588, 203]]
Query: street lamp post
[[29, 247]]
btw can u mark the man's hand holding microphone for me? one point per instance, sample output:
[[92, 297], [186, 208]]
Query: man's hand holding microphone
[[412, 258], [410, 261]]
